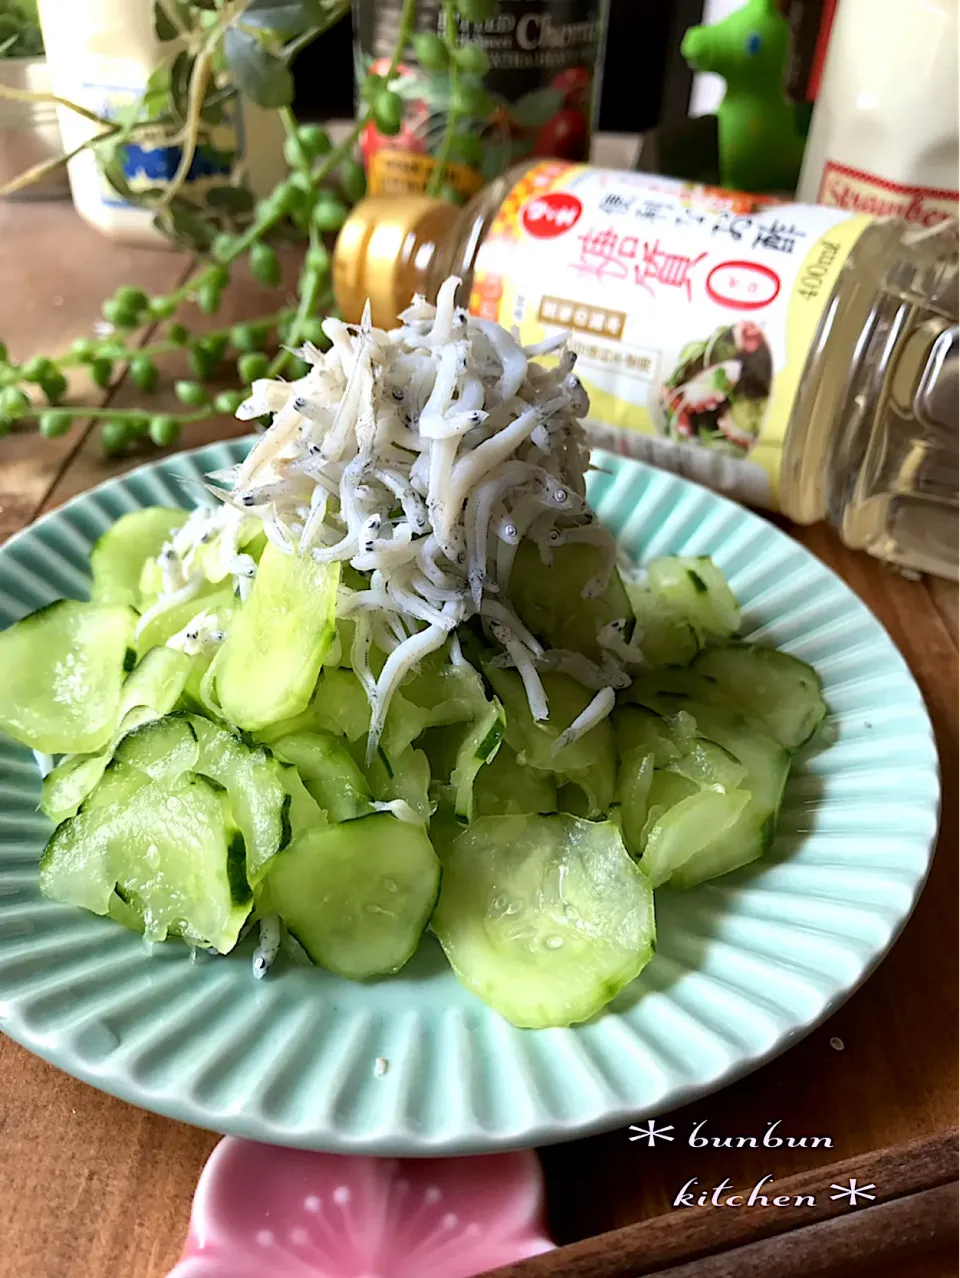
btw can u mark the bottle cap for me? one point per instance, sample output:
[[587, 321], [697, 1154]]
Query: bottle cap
[[385, 252]]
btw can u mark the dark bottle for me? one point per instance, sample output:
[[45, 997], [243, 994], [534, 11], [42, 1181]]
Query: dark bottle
[[542, 90]]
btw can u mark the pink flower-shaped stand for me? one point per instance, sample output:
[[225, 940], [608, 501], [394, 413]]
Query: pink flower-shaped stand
[[261, 1211]]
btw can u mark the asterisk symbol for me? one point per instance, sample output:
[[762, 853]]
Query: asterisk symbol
[[651, 1132], [853, 1193]]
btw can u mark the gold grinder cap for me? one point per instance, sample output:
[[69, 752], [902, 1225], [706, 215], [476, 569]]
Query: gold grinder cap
[[385, 251]]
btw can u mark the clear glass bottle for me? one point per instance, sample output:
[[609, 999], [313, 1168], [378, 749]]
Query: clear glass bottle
[[853, 328]]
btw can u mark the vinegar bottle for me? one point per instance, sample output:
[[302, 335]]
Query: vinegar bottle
[[797, 357]]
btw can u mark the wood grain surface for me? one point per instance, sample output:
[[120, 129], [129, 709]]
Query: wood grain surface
[[806, 1230], [91, 1187]]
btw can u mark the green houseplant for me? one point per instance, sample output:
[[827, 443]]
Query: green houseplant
[[220, 49]]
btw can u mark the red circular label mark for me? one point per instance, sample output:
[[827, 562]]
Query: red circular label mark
[[546, 216], [746, 286]]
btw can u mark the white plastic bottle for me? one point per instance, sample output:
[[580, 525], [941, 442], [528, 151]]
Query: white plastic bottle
[[100, 55], [884, 136]]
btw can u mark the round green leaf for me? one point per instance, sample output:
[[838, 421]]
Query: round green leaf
[[143, 371], [257, 73], [430, 51], [164, 430], [252, 366], [56, 423], [472, 58], [190, 393]]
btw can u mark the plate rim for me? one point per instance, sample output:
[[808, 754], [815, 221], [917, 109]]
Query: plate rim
[[328, 1136]]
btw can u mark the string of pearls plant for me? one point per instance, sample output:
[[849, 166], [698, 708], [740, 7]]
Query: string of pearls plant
[[226, 48]]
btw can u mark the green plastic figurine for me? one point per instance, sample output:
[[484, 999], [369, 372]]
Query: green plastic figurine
[[760, 133]]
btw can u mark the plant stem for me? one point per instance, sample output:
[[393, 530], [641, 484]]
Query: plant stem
[[450, 40], [155, 349], [403, 36], [28, 95], [308, 299], [198, 88], [115, 414], [38, 171]]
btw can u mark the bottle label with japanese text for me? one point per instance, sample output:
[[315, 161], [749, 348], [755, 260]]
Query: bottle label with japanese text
[[691, 309]]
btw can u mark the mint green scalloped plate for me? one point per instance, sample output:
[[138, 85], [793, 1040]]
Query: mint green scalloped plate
[[745, 965]]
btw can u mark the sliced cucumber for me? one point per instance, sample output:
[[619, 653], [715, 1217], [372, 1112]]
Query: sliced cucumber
[[634, 781], [171, 620], [640, 730], [709, 766], [282, 633], [663, 633], [674, 687], [506, 787], [304, 813], [63, 670], [784, 692], [667, 789], [158, 681], [688, 827], [358, 895], [766, 763], [328, 772], [545, 918], [478, 747], [444, 692], [403, 776], [251, 777], [118, 786], [698, 590], [590, 762], [550, 600], [340, 705], [66, 787], [118, 558], [151, 690], [169, 853], [162, 748], [212, 562]]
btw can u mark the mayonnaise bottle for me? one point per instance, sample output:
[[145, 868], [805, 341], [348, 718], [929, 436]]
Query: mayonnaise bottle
[[100, 55]]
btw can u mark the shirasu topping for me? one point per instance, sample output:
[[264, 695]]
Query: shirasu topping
[[421, 457]]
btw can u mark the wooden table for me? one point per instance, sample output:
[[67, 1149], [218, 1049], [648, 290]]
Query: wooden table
[[91, 1187]]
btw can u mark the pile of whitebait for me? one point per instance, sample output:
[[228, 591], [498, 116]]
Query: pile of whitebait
[[420, 457]]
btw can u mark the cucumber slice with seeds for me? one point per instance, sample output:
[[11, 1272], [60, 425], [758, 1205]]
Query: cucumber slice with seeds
[[663, 632], [283, 632], [328, 772], [698, 590], [118, 558], [151, 690], [358, 895], [257, 796], [590, 762], [545, 918], [63, 670], [169, 851], [162, 748], [766, 764], [782, 691]]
